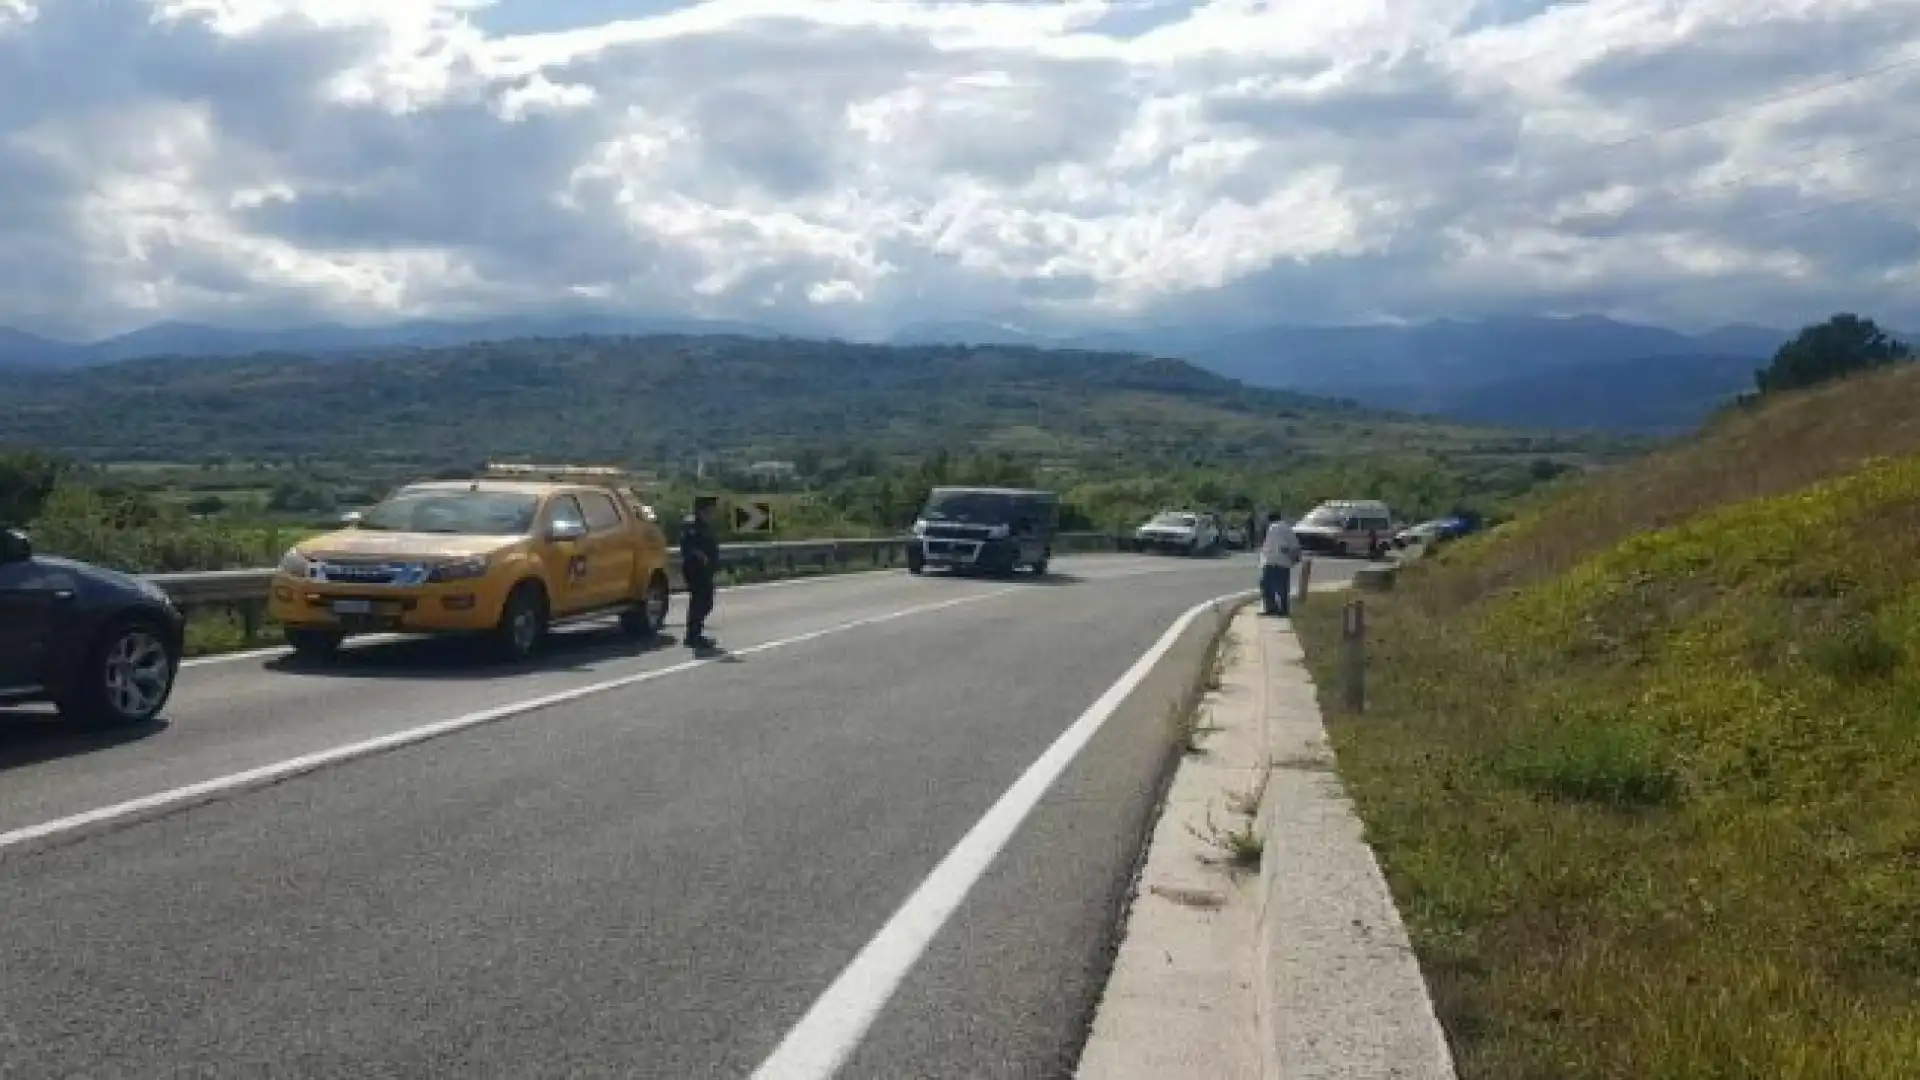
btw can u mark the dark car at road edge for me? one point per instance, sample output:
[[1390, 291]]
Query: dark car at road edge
[[102, 646]]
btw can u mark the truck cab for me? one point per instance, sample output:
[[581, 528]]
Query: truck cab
[[995, 530], [506, 555]]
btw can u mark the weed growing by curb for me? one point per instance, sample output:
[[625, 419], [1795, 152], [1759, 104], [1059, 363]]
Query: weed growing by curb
[[1188, 718], [1242, 846]]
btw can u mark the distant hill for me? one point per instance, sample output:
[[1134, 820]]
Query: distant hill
[[20, 351], [671, 398], [1514, 371], [1534, 372], [1655, 395]]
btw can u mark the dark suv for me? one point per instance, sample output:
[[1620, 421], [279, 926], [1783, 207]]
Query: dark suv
[[102, 646], [997, 530]]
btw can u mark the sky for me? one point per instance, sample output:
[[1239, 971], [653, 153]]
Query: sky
[[859, 165]]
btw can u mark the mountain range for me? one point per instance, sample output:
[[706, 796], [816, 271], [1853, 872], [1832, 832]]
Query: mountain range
[[1581, 372]]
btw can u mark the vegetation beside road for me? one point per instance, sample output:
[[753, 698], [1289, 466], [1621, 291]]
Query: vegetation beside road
[[1639, 763], [181, 464], [670, 402]]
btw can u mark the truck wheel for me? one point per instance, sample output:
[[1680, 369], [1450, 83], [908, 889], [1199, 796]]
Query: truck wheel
[[310, 644], [647, 618], [523, 623]]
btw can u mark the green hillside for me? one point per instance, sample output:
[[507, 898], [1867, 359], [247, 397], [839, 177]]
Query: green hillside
[[1641, 763], [664, 400]]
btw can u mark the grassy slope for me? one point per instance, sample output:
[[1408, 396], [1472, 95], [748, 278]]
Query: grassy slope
[[1641, 765]]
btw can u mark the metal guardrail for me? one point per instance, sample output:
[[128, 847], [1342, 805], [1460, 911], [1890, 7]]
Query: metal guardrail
[[245, 591]]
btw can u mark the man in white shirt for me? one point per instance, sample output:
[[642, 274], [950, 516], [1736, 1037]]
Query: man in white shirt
[[1279, 554]]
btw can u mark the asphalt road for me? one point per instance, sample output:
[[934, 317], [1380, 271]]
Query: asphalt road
[[654, 879]]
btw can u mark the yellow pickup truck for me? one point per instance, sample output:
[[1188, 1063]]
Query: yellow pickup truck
[[505, 556]]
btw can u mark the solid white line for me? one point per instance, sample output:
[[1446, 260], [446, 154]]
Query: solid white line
[[281, 770], [831, 1030], [383, 639], [752, 586]]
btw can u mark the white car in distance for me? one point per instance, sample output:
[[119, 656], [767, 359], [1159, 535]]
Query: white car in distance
[[1181, 532]]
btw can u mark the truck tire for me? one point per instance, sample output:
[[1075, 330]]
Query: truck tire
[[647, 618], [310, 644], [523, 623]]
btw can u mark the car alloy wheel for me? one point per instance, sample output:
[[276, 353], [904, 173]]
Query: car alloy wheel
[[138, 673]]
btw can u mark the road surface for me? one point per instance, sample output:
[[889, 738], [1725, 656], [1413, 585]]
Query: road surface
[[657, 876]]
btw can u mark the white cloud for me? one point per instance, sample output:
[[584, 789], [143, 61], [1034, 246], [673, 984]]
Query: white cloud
[[871, 162]]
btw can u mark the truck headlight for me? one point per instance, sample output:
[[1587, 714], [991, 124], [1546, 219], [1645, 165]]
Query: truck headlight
[[294, 564], [459, 569], [999, 532]]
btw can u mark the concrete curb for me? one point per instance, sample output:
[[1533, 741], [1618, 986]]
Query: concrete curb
[[1341, 995], [1301, 970], [1180, 996]]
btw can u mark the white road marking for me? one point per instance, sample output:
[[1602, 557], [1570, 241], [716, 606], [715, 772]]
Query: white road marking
[[836, 1023], [810, 579], [233, 783], [387, 639]]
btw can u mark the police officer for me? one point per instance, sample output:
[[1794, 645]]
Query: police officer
[[699, 562]]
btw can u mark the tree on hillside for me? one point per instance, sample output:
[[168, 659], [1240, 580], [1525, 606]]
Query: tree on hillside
[[26, 479], [1843, 345]]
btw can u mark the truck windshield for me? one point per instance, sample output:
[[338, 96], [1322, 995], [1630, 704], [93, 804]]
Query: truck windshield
[[971, 507], [469, 513], [1179, 521], [1325, 515]]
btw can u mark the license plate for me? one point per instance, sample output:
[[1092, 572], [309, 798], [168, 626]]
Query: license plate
[[353, 607]]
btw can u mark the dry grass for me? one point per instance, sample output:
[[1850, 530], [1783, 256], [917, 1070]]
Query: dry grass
[[1641, 767]]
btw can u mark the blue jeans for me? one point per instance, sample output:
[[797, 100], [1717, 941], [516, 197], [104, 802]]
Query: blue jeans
[[1276, 586]]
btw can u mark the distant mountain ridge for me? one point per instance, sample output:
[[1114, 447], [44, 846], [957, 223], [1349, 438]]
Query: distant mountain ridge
[[1586, 371]]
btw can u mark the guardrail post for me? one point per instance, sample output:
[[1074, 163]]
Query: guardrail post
[[1353, 655], [1306, 579], [251, 612]]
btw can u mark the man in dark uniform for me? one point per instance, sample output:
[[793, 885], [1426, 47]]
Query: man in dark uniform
[[699, 562]]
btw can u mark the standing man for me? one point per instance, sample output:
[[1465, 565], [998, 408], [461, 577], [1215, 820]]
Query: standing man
[[699, 563], [1279, 554]]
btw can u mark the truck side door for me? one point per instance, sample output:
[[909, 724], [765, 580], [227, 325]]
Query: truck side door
[[568, 562], [611, 550]]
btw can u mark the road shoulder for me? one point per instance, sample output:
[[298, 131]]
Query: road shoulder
[[1300, 968]]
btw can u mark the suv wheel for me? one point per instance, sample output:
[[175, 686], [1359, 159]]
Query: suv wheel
[[126, 678], [647, 618], [523, 622]]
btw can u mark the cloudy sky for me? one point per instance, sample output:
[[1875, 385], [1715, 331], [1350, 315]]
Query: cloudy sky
[[871, 162]]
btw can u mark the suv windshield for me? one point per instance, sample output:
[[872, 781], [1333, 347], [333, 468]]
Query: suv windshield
[[470, 513], [1183, 521], [971, 507]]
